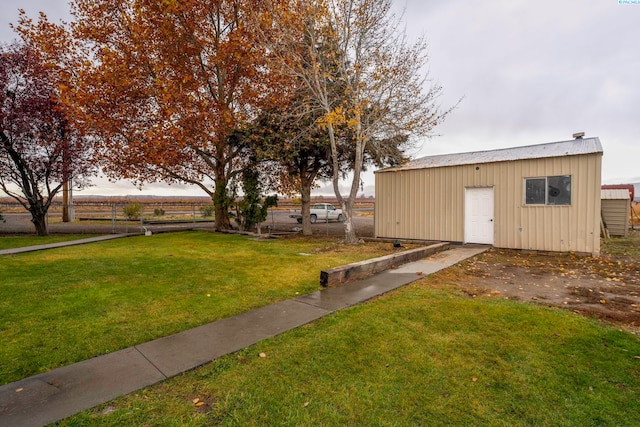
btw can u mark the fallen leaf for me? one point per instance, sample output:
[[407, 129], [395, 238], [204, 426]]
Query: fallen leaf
[[199, 404], [18, 390], [474, 379], [419, 273], [196, 400], [603, 301], [306, 404], [263, 355]]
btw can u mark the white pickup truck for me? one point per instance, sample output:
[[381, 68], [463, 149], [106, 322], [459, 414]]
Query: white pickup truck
[[323, 212]]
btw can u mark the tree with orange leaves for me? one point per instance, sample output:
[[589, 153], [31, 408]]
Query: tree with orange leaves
[[167, 85]]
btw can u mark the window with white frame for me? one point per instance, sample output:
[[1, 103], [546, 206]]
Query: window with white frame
[[548, 190]]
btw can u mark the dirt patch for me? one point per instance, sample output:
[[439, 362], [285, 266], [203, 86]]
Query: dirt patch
[[607, 287]]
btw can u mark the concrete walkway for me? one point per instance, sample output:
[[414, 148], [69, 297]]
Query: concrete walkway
[[60, 393], [34, 248]]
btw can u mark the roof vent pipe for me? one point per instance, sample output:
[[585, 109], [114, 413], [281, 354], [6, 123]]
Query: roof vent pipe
[[578, 135]]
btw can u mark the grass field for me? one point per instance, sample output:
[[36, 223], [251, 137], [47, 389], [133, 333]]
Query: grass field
[[418, 356], [64, 305], [426, 354], [622, 246]]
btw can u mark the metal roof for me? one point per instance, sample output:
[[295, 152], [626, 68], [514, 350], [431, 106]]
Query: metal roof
[[573, 147], [609, 194]]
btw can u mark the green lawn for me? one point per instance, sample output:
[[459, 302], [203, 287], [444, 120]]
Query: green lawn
[[16, 241], [65, 305], [623, 246], [425, 354], [418, 356]]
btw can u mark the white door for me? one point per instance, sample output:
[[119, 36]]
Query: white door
[[478, 215]]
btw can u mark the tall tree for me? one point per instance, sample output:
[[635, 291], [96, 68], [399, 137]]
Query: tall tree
[[291, 137], [167, 83], [384, 101], [292, 133], [40, 149]]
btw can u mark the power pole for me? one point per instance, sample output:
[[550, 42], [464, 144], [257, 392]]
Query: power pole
[[67, 196], [67, 201]]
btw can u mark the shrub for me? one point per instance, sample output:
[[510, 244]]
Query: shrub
[[253, 210], [132, 210], [208, 210], [158, 212]]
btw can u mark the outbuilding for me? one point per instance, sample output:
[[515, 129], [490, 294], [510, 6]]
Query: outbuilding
[[616, 209], [540, 197]]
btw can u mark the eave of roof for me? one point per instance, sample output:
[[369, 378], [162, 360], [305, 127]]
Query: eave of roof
[[607, 194], [574, 147]]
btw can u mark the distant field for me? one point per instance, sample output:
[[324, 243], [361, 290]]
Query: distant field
[[151, 203]]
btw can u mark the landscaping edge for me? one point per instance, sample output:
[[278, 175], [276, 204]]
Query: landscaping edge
[[358, 270]]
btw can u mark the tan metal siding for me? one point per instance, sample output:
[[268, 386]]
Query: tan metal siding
[[429, 203], [615, 214]]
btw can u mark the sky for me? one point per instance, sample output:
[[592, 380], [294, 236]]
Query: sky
[[525, 72]]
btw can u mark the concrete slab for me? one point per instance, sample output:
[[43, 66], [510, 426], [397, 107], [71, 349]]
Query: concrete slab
[[34, 248], [440, 260], [349, 294], [352, 293], [359, 270], [186, 350], [57, 394]]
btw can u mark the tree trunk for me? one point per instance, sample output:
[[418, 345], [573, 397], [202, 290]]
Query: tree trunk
[[305, 198], [349, 231], [39, 219], [221, 200], [350, 236]]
